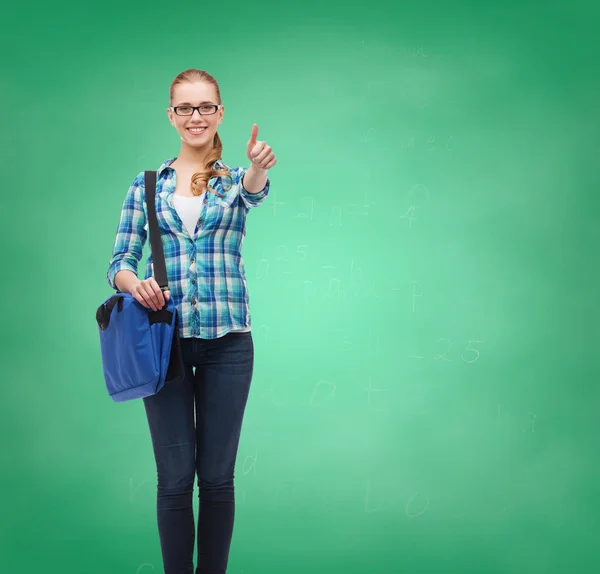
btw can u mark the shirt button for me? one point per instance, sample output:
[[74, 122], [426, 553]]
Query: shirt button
[[191, 260], [191, 240], [193, 281], [193, 301]]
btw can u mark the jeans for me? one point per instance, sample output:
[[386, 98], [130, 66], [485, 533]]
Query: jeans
[[204, 445]]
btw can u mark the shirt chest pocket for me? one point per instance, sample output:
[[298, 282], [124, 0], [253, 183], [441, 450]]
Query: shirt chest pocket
[[226, 202]]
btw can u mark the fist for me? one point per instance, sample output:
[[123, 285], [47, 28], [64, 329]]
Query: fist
[[149, 294], [258, 152]]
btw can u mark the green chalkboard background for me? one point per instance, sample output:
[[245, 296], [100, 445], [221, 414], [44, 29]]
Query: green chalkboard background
[[423, 281]]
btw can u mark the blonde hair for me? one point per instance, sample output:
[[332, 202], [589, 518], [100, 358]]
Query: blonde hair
[[202, 177]]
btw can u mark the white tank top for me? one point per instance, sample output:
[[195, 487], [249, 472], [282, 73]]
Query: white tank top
[[189, 209]]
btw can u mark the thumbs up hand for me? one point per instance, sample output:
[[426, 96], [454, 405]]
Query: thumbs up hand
[[258, 152]]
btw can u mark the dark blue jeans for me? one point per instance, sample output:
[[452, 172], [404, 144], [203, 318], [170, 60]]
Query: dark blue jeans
[[204, 446]]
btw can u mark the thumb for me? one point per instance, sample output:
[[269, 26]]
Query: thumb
[[253, 136], [167, 295]]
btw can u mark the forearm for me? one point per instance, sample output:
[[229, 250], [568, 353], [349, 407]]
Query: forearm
[[255, 179], [125, 280]]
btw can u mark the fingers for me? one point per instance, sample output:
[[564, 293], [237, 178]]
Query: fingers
[[149, 294], [271, 164], [253, 136], [149, 297], [257, 149], [264, 157], [267, 163], [258, 152]]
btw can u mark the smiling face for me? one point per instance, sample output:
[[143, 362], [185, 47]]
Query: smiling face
[[196, 94]]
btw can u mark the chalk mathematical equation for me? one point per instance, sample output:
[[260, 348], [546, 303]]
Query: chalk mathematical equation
[[469, 353], [416, 197], [415, 505], [408, 141], [302, 493], [324, 393], [331, 283], [515, 422]]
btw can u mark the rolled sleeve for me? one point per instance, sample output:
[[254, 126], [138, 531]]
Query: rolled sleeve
[[252, 199], [131, 233]]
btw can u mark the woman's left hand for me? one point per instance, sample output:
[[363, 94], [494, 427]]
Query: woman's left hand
[[259, 153]]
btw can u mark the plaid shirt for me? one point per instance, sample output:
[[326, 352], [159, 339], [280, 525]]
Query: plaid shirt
[[206, 271]]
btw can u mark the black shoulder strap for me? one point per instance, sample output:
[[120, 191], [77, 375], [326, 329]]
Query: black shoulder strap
[[158, 255]]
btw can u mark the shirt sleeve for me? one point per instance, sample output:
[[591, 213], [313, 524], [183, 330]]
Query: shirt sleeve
[[251, 199], [131, 232]]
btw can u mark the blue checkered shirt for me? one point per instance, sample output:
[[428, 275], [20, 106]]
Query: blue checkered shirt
[[206, 271]]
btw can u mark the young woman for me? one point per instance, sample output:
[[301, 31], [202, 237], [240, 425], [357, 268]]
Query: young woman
[[195, 424]]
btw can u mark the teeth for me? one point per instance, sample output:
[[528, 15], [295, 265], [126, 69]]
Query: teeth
[[196, 130]]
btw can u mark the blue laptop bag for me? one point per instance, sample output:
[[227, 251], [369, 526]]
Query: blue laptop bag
[[140, 347]]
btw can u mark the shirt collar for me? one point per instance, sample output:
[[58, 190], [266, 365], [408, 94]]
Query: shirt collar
[[167, 163]]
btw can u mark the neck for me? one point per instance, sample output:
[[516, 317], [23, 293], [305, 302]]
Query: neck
[[193, 156]]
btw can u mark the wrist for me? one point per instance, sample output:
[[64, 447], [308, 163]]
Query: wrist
[[254, 179], [258, 170]]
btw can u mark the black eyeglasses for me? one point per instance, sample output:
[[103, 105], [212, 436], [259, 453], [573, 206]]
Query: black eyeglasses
[[204, 110]]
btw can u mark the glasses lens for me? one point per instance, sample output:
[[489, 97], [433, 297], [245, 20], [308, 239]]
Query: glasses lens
[[188, 110]]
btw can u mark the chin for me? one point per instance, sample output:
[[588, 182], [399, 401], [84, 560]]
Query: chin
[[197, 140]]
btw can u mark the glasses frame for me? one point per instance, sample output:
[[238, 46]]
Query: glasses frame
[[194, 108]]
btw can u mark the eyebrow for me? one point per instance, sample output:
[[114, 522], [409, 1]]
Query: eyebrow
[[190, 104]]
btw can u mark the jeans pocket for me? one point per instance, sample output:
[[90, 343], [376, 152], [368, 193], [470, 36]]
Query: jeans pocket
[[237, 350]]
